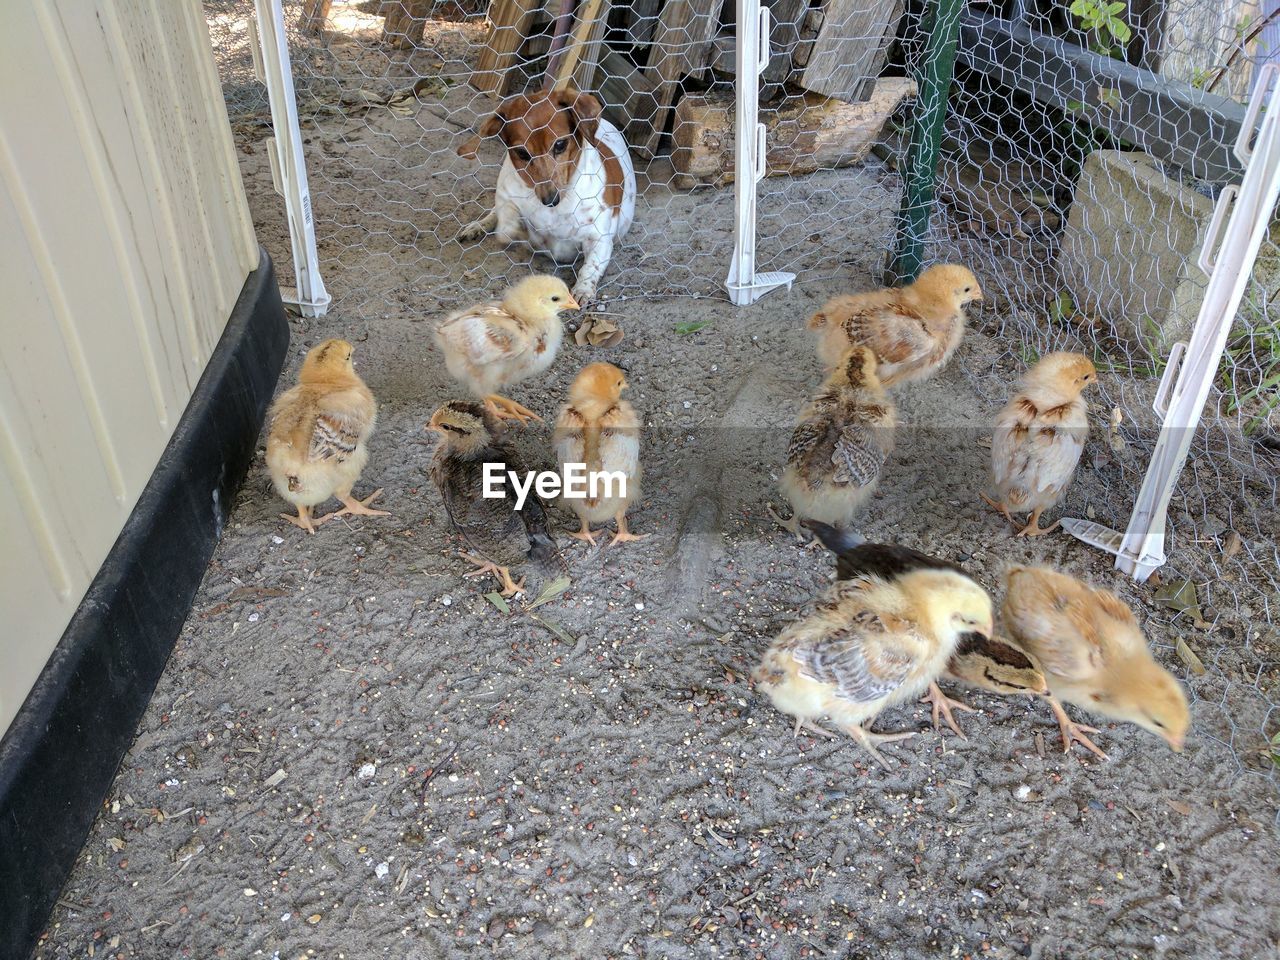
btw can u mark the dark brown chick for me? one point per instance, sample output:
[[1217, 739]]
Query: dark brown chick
[[498, 535]]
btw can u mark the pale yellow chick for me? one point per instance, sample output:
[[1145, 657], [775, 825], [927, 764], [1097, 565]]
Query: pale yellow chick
[[839, 446], [913, 330], [316, 441], [1091, 649], [493, 345], [599, 429], [1039, 437], [871, 644]]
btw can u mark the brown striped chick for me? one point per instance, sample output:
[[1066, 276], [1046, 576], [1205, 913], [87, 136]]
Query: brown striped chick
[[499, 533], [600, 430], [839, 446], [913, 330], [316, 441], [870, 644], [1039, 437], [493, 345], [1093, 654]]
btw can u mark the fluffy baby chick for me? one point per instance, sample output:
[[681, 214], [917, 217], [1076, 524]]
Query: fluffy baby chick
[[856, 558], [1039, 437], [873, 643], [1093, 654], [316, 441], [913, 330], [601, 430], [995, 664], [839, 445], [492, 345], [499, 535]]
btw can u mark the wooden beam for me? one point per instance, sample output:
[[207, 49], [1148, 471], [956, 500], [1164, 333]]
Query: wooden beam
[[1171, 121], [582, 55], [850, 49], [512, 24]]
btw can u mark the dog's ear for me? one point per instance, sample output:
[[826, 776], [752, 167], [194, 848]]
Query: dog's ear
[[491, 126], [584, 107]]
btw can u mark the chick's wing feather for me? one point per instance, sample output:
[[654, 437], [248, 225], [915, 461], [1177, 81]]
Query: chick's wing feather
[[492, 527], [860, 659], [334, 437], [1050, 614], [485, 333], [858, 456]]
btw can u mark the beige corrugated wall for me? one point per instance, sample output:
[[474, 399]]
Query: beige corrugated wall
[[125, 239]]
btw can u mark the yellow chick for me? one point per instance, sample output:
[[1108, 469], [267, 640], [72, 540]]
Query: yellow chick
[[871, 644], [492, 345], [601, 430], [1039, 437], [316, 441], [1093, 654], [839, 446], [913, 330]]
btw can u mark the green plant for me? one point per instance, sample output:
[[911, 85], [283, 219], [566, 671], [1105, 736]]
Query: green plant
[[1104, 21]]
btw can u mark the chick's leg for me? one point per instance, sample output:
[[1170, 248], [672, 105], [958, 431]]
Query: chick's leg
[[585, 533], [483, 566], [350, 505], [505, 408], [868, 741], [1033, 529], [998, 506], [623, 534], [942, 707], [303, 519], [803, 724], [1073, 732], [792, 525]]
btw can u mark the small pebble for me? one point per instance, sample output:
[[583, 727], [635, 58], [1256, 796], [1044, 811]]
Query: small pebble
[[367, 771], [381, 870]]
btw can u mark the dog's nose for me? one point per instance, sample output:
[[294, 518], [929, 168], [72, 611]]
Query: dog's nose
[[552, 199]]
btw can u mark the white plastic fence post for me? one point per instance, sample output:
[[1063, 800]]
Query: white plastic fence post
[[288, 169], [743, 283], [1142, 548]]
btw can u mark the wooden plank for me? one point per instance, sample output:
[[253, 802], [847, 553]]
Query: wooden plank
[[851, 47], [642, 22], [315, 14], [405, 22], [805, 134], [631, 100], [680, 47], [582, 56], [789, 19], [512, 24], [1171, 121]]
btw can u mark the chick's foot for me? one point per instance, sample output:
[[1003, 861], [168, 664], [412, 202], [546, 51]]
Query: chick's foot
[[350, 505], [1033, 529], [504, 408], [942, 707], [1074, 732], [584, 534], [792, 525], [303, 519], [623, 534], [868, 741], [509, 587]]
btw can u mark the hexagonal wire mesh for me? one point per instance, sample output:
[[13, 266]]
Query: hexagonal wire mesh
[[1082, 153]]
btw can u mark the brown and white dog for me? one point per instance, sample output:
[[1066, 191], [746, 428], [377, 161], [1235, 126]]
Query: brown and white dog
[[567, 185]]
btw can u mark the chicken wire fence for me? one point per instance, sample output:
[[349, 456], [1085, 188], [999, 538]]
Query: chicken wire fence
[[1081, 155]]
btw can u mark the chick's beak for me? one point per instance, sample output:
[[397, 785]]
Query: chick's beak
[[433, 426], [1175, 743], [572, 304]]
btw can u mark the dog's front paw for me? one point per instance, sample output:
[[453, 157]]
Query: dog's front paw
[[473, 231], [584, 291]]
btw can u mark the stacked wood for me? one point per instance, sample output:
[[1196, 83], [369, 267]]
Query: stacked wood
[[405, 22], [806, 133]]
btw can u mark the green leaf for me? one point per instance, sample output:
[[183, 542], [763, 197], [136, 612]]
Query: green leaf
[[499, 601], [1120, 30], [550, 592], [1181, 597], [1062, 307], [553, 627], [691, 327]]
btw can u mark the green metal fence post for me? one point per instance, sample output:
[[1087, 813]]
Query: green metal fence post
[[933, 77]]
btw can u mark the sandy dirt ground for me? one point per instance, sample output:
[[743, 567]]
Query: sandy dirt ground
[[353, 754]]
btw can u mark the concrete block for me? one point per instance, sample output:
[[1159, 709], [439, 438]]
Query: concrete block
[[1128, 252]]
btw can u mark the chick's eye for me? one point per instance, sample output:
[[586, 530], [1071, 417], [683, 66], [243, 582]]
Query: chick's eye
[[1158, 724], [968, 289], [523, 154], [559, 147], [555, 299]]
